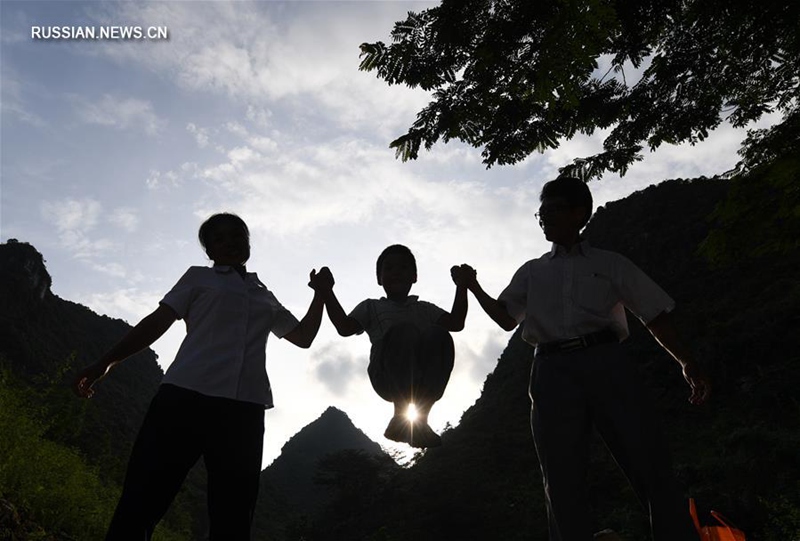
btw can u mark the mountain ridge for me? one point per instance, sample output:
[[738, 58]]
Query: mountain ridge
[[290, 483]]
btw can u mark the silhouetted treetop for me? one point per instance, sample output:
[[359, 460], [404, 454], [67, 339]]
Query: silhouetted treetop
[[513, 77]]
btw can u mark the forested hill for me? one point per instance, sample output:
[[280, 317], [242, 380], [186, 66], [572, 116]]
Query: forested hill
[[62, 459], [310, 472], [44, 338], [738, 454]]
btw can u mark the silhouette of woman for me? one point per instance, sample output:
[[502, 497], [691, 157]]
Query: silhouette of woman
[[212, 398]]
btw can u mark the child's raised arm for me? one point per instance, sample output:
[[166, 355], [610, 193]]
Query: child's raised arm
[[147, 331], [493, 308], [454, 321], [345, 325], [305, 331]]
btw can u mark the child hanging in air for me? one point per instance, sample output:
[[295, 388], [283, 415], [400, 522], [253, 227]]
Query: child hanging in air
[[412, 352]]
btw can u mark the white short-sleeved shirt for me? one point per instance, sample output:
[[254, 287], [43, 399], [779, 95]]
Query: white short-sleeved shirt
[[227, 321], [564, 294], [377, 316]]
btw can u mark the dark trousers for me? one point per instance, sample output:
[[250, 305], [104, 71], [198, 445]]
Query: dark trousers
[[414, 365], [600, 387], [180, 426]]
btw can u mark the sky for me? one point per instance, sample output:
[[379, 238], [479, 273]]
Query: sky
[[113, 151]]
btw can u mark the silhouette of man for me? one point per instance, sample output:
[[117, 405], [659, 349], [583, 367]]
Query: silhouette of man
[[571, 302]]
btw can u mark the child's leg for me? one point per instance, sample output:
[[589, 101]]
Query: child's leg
[[431, 372], [392, 373], [435, 364]]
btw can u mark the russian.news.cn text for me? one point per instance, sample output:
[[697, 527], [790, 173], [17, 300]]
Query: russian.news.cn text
[[152, 33]]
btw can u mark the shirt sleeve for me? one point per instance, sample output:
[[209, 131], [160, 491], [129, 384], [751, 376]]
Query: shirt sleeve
[[361, 313], [180, 296], [640, 294], [515, 296], [283, 321]]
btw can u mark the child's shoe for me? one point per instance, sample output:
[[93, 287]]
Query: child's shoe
[[422, 435], [398, 429]]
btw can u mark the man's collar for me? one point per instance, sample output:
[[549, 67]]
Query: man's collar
[[581, 248]]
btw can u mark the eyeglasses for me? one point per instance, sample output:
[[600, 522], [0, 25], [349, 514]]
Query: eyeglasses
[[552, 209]]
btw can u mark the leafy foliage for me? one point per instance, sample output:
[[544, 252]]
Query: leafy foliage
[[516, 77], [62, 493], [361, 482], [761, 215]]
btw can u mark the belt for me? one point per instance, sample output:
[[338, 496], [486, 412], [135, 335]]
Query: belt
[[606, 336]]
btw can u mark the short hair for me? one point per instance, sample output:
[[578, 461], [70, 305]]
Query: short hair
[[573, 190], [217, 220], [394, 249]]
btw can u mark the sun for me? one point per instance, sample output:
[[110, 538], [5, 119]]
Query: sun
[[411, 413]]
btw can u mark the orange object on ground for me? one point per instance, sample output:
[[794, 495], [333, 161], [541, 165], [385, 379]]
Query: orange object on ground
[[725, 532]]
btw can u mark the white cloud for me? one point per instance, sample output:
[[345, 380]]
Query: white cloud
[[265, 145], [260, 116], [579, 146], [82, 246], [200, 134], [130, 304], [263, 53], [336, 367], [237, 129], [115, 270], [72, 215], [120, 113], [14, 103], [221, 66], [76, 222], [16, 108], [125, 218], [157, 180]]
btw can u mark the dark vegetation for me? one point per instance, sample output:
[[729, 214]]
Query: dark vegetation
[[310, 474], [62, 459], [517, 77]]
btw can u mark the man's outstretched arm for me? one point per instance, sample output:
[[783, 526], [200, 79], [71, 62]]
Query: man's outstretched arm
[[663, 330], [494, 308]]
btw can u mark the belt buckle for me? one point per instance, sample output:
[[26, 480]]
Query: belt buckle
[[572, 344]]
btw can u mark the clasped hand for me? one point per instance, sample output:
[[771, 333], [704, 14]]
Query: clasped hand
[[463, 275], [321, 281]]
